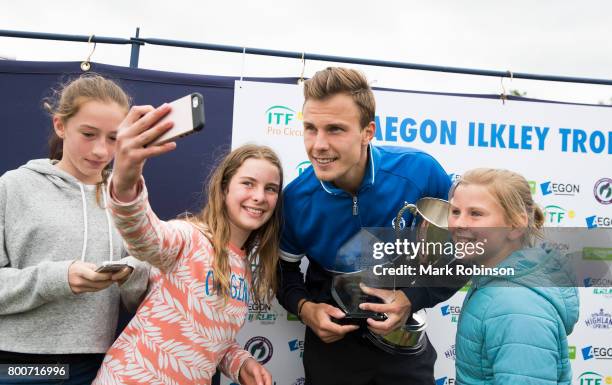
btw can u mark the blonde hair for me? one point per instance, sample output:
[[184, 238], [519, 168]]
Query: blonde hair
[[262, 246], [512, 192], [66, 101], [337, 80]]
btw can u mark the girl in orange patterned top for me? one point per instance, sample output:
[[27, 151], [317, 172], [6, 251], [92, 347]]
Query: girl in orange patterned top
[[187, 324]]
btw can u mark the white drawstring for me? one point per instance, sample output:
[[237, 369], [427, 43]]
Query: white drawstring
[[108, 221], [84, 222]]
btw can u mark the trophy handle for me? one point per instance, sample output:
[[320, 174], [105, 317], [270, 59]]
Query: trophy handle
[[398, 217]]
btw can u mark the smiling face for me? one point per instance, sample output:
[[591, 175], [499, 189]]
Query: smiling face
[[89, 139], [251, 197], [476, 216], [335, 142]]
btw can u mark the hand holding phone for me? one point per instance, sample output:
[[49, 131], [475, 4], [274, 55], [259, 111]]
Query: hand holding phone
[[187, 114], [111, 267]]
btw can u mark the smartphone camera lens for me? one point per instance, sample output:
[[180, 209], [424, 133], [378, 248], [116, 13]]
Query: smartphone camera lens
[[195, 102]]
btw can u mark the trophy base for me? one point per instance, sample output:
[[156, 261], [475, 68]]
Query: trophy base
[[359, 319]]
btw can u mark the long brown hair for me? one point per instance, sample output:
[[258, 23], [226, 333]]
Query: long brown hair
[[66, 101], [262, 246]]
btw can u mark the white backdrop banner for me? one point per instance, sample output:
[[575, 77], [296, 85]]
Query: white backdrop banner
[[564, 150]]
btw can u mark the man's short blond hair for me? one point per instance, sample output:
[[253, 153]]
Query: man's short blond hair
[[337, 80]]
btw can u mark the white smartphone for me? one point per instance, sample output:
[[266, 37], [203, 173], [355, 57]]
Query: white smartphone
[[188, 117], [111, 267]]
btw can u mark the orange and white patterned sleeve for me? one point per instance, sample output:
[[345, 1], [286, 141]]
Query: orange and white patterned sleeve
[[233, 360], [147, 237]]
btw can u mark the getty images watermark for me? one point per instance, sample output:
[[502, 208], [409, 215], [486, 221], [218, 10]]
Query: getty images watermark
[[410, 250]]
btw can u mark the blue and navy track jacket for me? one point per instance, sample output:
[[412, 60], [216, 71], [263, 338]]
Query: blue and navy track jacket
[[319, 218]]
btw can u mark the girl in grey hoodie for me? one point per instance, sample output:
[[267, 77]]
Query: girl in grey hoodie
[[55, 231]]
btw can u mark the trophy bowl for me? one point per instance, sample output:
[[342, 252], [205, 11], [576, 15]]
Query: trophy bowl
[[407, 340]]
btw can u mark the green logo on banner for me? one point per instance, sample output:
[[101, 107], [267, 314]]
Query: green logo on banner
[[572, 352], [533, 186], [597, 253]]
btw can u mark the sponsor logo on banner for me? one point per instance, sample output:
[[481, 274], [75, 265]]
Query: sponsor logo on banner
[[594, 378], [299, 381], [262, 313], [556, 246], [597, 254], [297, 346], [260, 348], [556, 188], [603, 191], [533, 186], [302, 166], [450, 353], [556, 215], [596, 221], [601, 320], [445, 381], [597, 353], [283, 121], [451, 311], [571, 350]]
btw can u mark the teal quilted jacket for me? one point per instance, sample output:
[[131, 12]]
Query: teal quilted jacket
[[513, 330]]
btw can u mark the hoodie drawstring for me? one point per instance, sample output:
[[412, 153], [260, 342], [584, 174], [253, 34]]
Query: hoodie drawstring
[[108, 221], [84, 223]]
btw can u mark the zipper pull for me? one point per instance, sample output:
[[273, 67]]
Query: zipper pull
[[355, 208]]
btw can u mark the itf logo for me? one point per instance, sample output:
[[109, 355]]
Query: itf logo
[[281, 121], [556, 215]]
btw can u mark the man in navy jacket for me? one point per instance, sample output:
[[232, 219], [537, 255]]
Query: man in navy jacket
[[351, 185]]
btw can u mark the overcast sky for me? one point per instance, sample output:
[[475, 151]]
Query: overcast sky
[[537, 36]]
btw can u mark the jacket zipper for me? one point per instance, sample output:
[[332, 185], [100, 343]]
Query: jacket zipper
[[355, 207]]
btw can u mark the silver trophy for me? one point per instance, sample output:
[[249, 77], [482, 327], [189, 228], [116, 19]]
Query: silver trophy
[[429, 224]]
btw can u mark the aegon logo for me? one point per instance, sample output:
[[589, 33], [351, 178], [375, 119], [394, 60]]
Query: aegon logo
[[452, 311], [597, 352], [445, 381], [556, 214], [262, 313], [596, 221], [297, 345], [559, 188]]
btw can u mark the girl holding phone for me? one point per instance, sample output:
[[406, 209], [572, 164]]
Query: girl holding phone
[[187, 324], [54, 233], [512, 329]]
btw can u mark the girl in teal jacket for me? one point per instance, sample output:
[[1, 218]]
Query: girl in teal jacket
[[512, 328]]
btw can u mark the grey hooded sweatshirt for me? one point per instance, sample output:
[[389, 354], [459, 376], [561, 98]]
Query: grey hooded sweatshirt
[[48, 219]]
